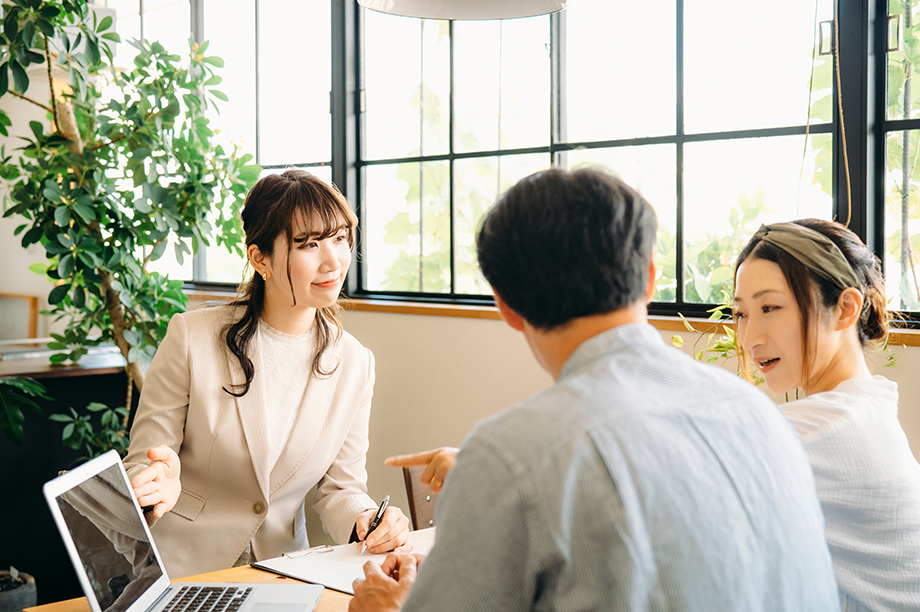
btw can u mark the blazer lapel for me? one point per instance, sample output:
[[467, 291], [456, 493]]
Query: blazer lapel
[[252, 417], [307, 428]]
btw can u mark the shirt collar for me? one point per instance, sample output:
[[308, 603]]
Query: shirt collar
[[619, 338]]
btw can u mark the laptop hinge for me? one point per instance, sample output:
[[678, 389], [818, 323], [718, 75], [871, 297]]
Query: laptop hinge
[[156, 602]]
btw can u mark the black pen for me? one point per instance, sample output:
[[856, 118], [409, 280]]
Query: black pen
[[376, 521]]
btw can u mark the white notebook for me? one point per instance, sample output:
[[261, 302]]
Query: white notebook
[[338, 568]]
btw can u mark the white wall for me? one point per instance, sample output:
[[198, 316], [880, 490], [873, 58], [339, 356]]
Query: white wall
[[437, 376]]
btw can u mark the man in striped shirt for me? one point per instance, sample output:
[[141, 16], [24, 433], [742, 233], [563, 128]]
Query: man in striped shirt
[[643, 479]]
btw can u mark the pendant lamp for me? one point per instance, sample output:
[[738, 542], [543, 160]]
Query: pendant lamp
[[465, 9]]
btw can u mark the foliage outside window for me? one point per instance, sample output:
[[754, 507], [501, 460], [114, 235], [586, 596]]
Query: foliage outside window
[[457, 112]]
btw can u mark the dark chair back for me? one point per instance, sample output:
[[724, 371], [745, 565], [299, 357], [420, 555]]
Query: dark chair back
[[421, 498]]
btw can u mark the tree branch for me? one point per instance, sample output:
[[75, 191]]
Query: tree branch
[[111, 142], [147, 258], [117, 315], [27, 99], [51, 83]]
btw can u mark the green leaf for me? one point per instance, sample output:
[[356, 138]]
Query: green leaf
[[214, 61], [65, 267], [132, 337], [158, 250], [96, 407], [112, 36], [92, 50], [79, 297], [39, 268], [28, 34], [105, 24], [57, 294], [4, 78], [20, 78], [62, 216], [86, 213], [60, 418], [219, 95]]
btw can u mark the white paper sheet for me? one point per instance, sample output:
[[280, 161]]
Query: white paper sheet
[[338, 569]]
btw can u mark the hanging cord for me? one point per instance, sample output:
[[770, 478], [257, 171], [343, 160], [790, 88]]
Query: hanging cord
[[843, 132], [811, 84]]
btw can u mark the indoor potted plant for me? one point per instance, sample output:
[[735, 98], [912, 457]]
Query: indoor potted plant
[[129, 165], [17, 591]]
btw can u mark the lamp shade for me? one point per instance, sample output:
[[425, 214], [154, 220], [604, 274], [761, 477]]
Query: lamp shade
[[465, 9]]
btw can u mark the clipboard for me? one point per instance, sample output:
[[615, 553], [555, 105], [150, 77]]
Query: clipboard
[[338, 568]]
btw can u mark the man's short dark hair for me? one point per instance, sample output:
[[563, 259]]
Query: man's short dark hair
[[561, 245]]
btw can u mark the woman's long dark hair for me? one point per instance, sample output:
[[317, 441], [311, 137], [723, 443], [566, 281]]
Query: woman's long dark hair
[[811, 291], [270, 210]]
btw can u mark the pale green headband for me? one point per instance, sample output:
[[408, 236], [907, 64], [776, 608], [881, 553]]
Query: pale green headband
[[813, 250]]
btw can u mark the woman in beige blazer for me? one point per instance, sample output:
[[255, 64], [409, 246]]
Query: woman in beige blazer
[[263, 398]]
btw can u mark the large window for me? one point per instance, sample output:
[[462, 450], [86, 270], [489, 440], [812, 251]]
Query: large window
[[724, 115], [720, 126]]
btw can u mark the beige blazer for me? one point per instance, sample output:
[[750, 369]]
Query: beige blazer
[[229, 497]]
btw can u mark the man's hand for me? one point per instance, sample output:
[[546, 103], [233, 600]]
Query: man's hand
[[384, 590], [439, 462], [392, 533], [158, 484]]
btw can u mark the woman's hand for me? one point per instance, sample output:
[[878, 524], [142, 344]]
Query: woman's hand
[[392, 533], [158, 484], [439, 462]]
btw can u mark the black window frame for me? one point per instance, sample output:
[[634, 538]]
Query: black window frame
[[862, 28]]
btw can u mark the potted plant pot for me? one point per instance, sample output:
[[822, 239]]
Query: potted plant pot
[[17, 591]]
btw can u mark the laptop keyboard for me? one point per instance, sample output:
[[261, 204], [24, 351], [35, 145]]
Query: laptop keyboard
[[208, 599]]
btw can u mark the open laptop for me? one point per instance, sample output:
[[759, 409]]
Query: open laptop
[[118, 564]]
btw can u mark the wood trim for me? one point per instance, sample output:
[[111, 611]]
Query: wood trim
[[33, 311], [905, 337], [902, 337], [420, 308]]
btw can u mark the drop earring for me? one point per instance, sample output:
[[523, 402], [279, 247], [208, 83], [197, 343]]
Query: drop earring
[[265, 276]]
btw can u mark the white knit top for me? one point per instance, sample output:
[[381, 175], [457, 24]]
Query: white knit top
[[283, 371], [868, 482]]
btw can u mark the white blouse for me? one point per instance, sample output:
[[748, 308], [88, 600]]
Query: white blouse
[[868, 482], [285, 363]]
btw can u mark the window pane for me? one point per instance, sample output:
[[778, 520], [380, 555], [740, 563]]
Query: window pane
[[477, 184], [902, 221], [732, 186], [295, 68], [612, 91], [231, 32], [406, 235], [128, 26], [650, 170], [169, 23], [748, 64], [903, 63], [501, 76], [407, 86]]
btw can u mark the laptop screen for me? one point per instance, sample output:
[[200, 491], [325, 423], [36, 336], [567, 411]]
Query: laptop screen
[[102, 517]]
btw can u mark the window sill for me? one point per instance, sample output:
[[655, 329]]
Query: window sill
[[903, 337]]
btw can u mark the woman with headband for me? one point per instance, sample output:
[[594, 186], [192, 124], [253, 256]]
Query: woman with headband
[[809, 296]]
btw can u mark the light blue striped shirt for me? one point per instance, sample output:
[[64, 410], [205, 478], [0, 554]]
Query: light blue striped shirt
[[642, 480]]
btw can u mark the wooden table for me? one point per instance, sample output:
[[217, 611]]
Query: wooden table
[[330, 601]]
